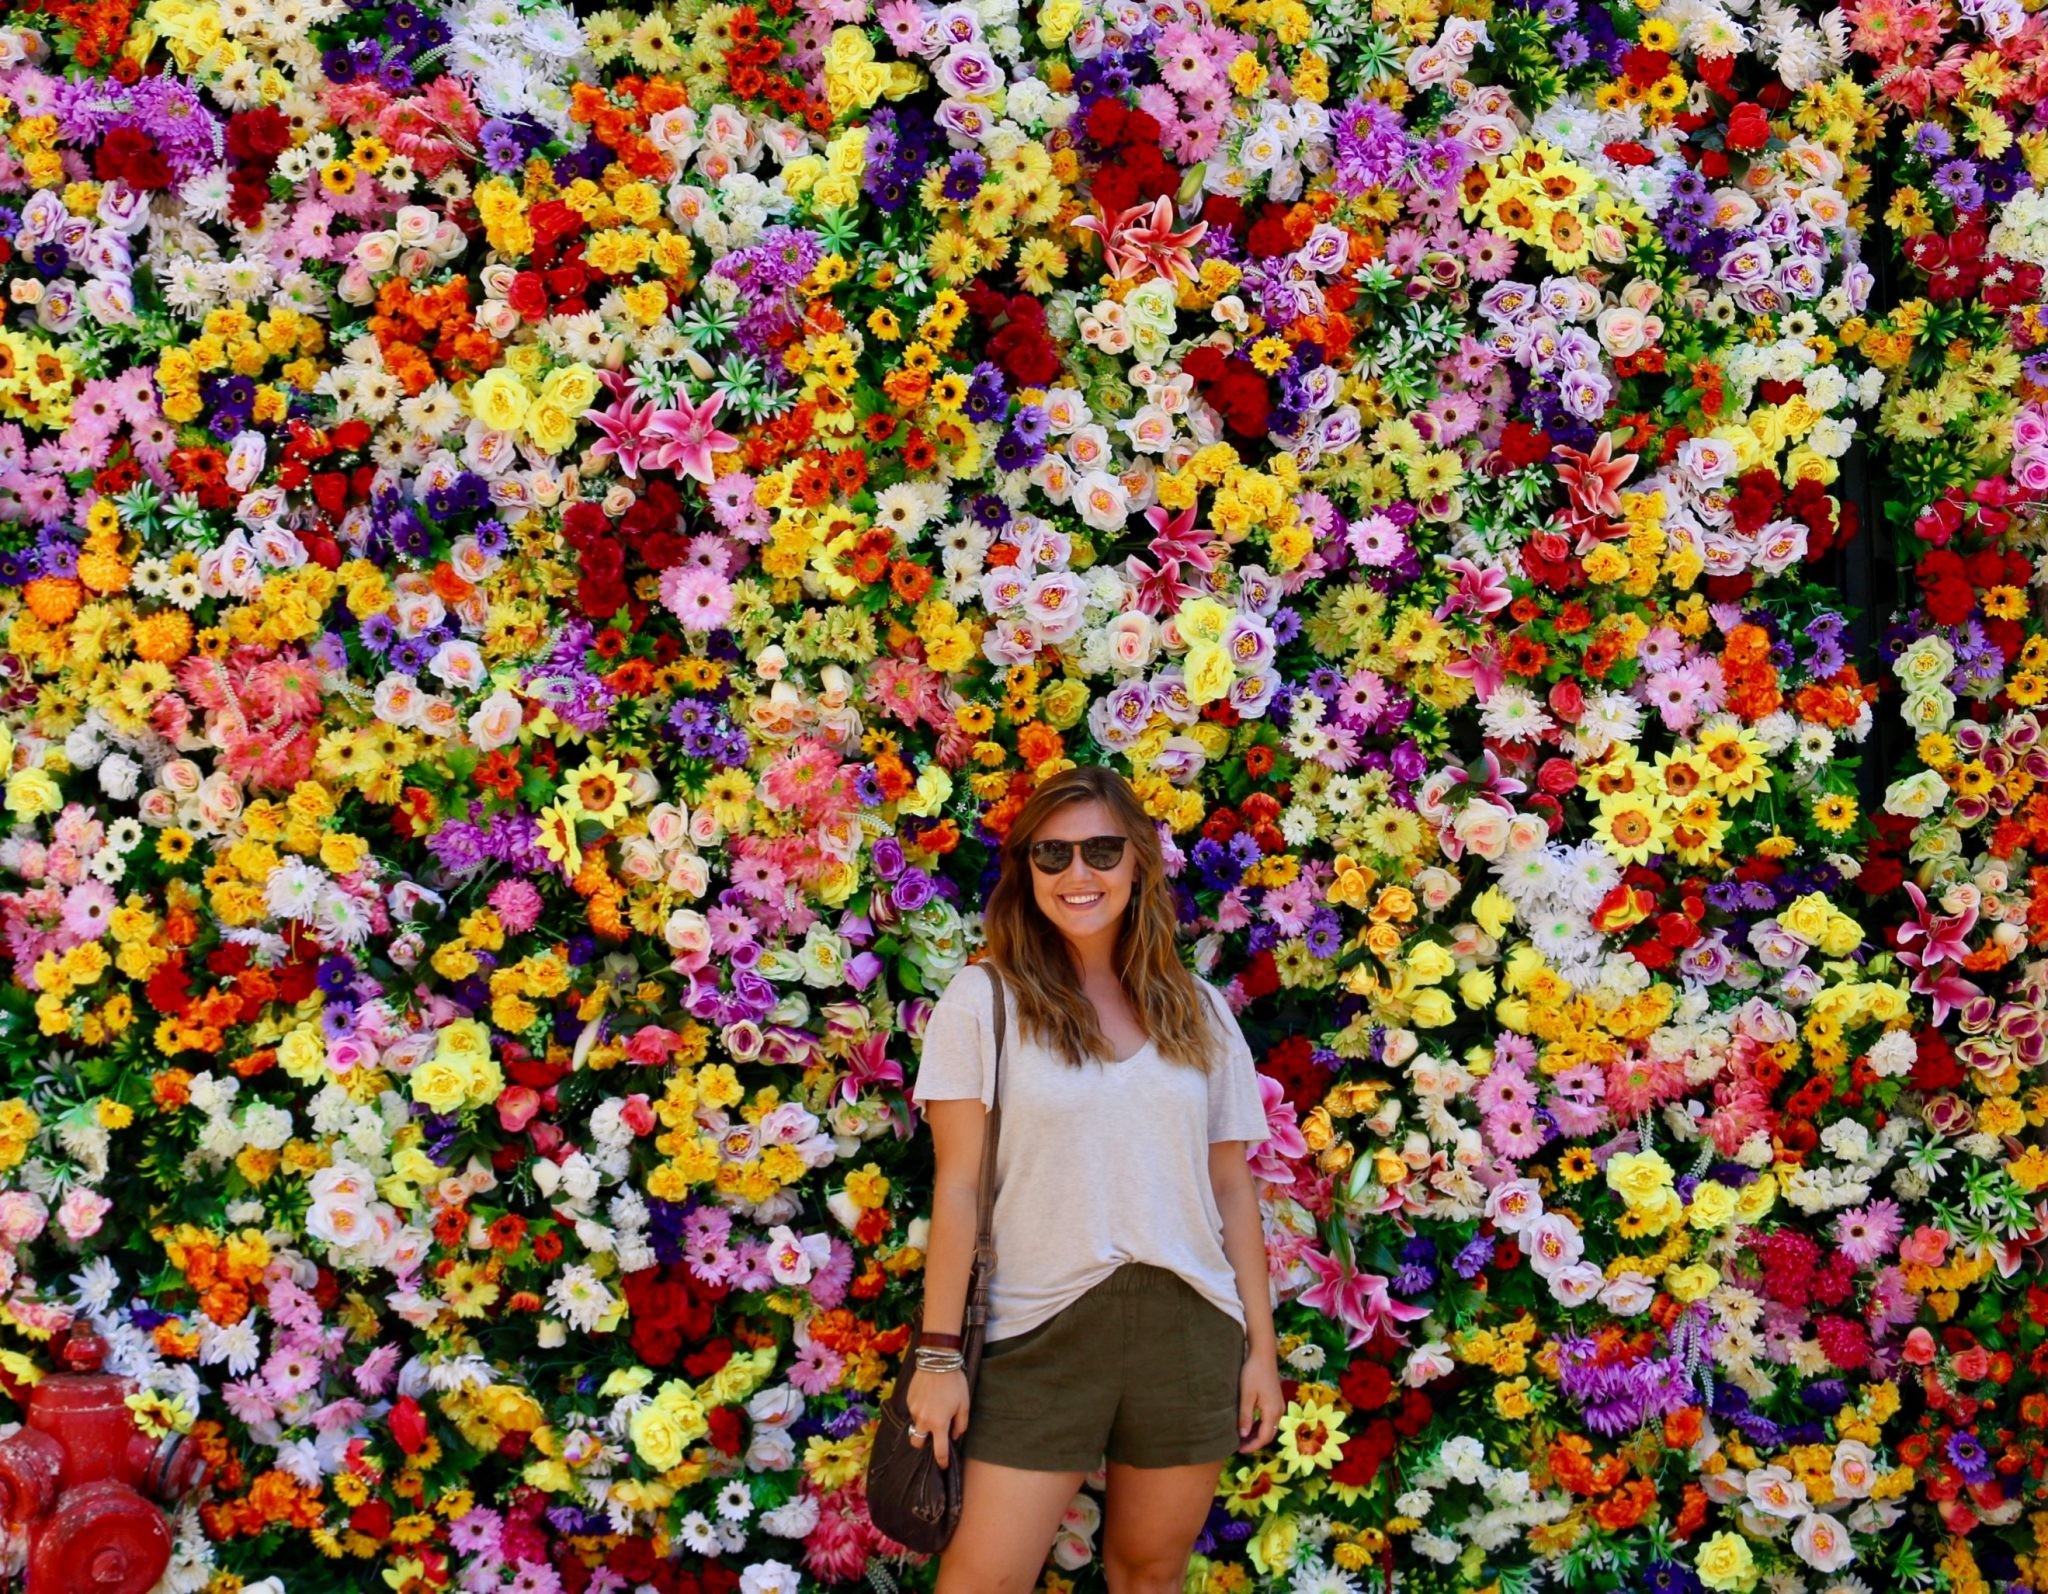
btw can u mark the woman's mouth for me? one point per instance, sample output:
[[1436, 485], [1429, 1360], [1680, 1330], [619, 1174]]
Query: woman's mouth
[[1081, 899]]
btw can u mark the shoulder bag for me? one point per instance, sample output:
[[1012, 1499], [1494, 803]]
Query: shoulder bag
[[910, 1496]]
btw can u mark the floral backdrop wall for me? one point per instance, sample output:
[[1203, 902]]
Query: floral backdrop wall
[[544, 545]]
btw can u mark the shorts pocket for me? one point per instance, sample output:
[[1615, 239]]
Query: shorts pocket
[[1213, 1343]]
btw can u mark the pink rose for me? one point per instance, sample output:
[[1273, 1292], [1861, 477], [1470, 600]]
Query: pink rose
[[82, 1212], [1925, 1246], [22, 1216], [518, 1107]]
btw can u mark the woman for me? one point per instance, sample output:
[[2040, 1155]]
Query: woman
[[1130, 1308]]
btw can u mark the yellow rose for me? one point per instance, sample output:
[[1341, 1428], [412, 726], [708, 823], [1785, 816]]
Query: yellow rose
[[934, 790], [500, 400], [848, 46], [303, 1054], [1431, 1009], [837, 191], [1713, 1204], [551, 427], [1428, 962], [1476, 987], [574, 387], [1842, 936], [1056, 21], [1756, 1199], [666, 1426], [1725, 1563], [1062, 704], [1202, 620], [1208, 672], [1638, 1177], [1689, 1284], [31, 792], [1807, 918], [463, 1042], [440, 1085], [801, 175]]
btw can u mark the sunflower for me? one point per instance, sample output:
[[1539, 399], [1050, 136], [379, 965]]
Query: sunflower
[[598, 789], [1835, 813], [1632, 828], [1311, 1437]]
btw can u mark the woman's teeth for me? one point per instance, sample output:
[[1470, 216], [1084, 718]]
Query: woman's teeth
[[1086, 899]]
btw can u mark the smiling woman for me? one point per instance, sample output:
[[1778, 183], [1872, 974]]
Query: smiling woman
[[1130, 1312]]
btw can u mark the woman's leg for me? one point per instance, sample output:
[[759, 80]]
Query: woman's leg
[[1008, 1516], [1150, 1522]]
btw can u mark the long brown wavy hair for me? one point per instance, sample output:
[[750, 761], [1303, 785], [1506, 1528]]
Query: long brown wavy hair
[[1030, 951]]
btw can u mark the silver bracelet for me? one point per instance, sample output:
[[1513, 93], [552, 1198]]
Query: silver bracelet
[[932, 1359]]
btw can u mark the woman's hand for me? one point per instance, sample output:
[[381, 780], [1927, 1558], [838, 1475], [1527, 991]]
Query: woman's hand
[[938, 1410], [1259, 1401]]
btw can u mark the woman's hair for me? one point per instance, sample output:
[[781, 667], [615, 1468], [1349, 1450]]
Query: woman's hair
[[1029, 949]]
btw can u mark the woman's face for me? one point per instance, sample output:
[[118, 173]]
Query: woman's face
[[1083, 902]]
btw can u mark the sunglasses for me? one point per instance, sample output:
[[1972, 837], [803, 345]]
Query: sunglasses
[[1098, 852]]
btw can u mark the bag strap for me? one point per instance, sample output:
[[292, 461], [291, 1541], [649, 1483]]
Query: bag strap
[[984, 1235]]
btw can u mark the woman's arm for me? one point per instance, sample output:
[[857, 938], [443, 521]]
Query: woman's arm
[[1259, 1401], [958, 1128]]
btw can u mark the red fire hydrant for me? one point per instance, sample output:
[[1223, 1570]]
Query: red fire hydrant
[[84, 1481]]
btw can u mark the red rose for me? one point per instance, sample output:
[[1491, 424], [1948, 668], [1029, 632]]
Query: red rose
[[528, 295], [1568, 702], [1748, 127]]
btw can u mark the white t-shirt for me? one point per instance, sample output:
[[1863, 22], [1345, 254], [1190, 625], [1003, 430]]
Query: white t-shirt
[[1098, 1165]]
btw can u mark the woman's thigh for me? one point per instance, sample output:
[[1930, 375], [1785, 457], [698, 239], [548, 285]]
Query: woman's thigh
[[1008, 1516]]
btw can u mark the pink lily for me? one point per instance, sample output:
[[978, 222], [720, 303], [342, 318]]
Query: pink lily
[[1158, 587], [1944, 939], [1482, 667], [1592, 478], [1481, 590], [688, 438], [626, 423], [1359, 1299], [869, 1065], [1142, 237], [1272, 1157]]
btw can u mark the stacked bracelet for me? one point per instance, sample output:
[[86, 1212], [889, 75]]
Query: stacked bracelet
[[935, 1360]]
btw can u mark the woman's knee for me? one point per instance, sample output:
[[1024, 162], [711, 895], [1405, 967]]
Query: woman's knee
[[1156, 1575], [1008, 1519]]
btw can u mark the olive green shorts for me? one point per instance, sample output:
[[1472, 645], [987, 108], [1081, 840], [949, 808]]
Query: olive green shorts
[[1141, 1369]]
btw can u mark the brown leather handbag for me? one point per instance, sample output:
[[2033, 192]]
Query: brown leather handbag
[[910, 1496]]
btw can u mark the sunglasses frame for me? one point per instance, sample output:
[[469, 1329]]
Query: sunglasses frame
[[1071, 847]]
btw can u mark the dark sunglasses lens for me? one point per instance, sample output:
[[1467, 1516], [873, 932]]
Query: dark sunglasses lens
[[1103, 852], [1052, 857]]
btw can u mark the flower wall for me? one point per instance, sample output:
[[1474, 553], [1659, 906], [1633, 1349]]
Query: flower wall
[[543, 547]]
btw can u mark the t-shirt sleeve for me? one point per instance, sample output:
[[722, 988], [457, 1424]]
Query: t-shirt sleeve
[[1237, 1111], [955, 1062]]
